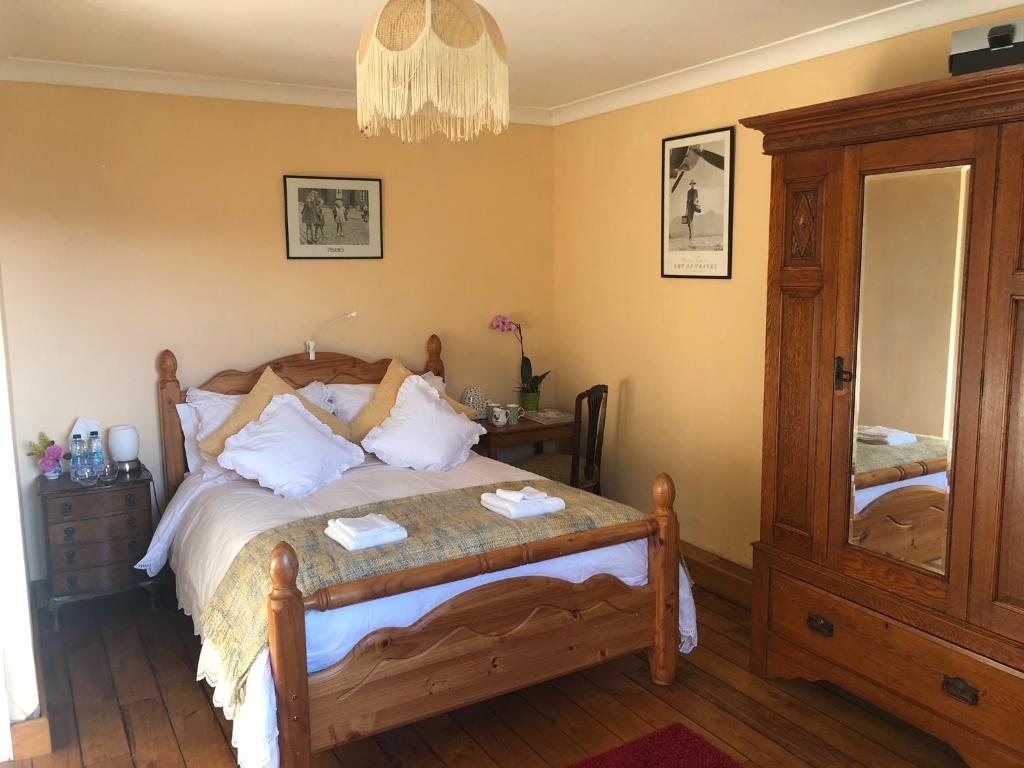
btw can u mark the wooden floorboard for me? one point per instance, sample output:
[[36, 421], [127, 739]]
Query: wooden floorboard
[[121, 684]]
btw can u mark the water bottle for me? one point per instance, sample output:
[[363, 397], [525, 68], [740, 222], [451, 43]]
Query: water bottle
[[96, 458], [77, 456]]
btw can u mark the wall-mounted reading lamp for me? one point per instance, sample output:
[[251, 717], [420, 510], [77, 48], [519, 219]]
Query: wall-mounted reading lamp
[[311, 343]]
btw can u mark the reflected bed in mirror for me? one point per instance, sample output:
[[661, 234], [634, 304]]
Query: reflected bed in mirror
[[907, 351]]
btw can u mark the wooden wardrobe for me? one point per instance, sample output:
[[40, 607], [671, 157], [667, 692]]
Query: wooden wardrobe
[[896, 220]]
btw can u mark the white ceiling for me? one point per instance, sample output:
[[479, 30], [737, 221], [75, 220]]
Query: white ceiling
[[561, 51]]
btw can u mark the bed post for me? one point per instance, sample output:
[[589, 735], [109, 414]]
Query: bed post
[[171, 440], [663, 573], [286, 624], [434, 362]]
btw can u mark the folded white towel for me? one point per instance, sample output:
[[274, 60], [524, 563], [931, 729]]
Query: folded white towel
[[884, 436], [359, 527], [368, 540], [514, 511], [527, 493]]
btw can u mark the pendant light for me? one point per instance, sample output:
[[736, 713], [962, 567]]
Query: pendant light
[[432, 66]]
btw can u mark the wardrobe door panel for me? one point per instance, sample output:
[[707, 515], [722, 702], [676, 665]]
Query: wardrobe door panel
[[997, 578], [917, 217], [801, 288]]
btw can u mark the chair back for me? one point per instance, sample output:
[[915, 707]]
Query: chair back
[[589, 439]]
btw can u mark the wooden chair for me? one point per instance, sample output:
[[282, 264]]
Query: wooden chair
[[582, 467]]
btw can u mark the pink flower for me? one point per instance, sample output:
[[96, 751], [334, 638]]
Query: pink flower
[[54, 452], [47, 464], [503, 324]]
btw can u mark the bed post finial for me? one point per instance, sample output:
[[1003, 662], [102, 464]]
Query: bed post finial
[[663, 573], [287, 639], [434, 363], [167, 364]]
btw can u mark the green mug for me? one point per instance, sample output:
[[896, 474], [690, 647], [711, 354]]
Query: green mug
[[514, 412]]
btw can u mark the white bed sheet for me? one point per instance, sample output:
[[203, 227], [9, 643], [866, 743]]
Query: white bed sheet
[[864, 496], [209, 520]]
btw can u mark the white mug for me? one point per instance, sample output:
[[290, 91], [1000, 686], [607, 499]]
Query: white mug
[[499, 416]]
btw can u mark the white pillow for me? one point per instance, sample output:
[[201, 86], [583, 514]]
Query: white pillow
[[318, 394], [289, 450], [347, 400], [189, 418], [436, 382], [422, 431]]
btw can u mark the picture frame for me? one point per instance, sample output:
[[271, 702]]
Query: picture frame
[[696, 204], [330, 217]]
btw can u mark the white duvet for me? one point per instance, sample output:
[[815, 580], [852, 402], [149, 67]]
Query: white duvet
[[209, 520]]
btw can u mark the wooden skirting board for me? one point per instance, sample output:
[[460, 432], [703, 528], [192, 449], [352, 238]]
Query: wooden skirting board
[[717, 575]]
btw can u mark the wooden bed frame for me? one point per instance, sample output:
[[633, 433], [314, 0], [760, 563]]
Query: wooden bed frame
[[484, 642]]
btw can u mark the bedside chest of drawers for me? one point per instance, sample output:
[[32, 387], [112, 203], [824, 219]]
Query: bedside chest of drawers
[[94, 536]]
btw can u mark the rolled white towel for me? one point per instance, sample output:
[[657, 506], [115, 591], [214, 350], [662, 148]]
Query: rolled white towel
[[528, 493], [523, 509], [366, 541], [358, 527]]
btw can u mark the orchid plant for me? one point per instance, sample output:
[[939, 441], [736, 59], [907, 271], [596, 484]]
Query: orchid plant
[[46, 452], [528, 382]]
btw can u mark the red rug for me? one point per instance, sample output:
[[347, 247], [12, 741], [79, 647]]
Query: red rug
[[672, 747]]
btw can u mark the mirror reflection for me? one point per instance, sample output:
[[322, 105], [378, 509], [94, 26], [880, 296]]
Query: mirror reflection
[[911, 273]]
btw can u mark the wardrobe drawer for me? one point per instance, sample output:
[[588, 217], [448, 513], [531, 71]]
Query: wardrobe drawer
[[124, 526], [81, 506], [962, 686], [74, 556], [94, 579]]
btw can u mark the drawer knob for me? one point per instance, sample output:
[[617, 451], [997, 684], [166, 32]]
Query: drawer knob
[[69, 533], [819, 624], [70, 555], [72, 581], [130, 522], [960, 689], [129, 499], [65, 508]]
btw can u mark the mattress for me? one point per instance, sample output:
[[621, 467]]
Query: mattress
[[210, 519]]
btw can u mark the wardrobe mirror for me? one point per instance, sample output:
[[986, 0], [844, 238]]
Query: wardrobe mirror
[[911, 275]]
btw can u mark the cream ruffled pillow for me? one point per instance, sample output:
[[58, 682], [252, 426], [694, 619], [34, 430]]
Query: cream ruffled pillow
[[379, 408]]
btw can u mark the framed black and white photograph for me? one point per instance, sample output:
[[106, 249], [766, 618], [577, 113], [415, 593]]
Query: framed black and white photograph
[[332, 218], [696, 205]]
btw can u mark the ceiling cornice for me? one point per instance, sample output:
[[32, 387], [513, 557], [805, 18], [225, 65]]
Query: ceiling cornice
[[898, 20]]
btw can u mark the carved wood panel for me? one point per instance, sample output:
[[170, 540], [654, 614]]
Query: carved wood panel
[[490, 640], [803, 223]]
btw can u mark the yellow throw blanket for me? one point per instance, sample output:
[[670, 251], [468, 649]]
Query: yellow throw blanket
[[442, 526]]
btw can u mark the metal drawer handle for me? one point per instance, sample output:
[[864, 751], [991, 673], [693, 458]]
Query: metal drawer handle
[[129, 499], [70, 555], [818, 623], [69, 533], [960, 689], [130, 522], [72, 581], [65, 508]]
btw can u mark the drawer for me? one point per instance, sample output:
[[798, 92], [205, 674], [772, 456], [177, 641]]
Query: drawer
[[75, 556], [955, 683], [94, 579], [124, 526], [82, 506]]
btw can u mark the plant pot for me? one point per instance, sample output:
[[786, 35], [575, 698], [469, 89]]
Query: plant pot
[[53, 474], [529, 400]]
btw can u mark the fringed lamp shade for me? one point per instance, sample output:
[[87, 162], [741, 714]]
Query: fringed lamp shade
[[432, 66]]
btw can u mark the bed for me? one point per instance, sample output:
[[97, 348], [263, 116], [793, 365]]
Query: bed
[[899, 500], [359, 657]]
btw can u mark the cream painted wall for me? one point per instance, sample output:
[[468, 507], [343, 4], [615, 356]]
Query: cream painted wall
[[908, 263], [132, 222], [685, 358]]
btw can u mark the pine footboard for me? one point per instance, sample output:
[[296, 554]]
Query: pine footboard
[[482, 643]]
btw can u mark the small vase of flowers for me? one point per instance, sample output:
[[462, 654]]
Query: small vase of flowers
[[48, 456], [529, 384]]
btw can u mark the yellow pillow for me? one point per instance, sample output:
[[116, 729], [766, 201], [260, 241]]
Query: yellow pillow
[[252, 405], [379, 408]]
